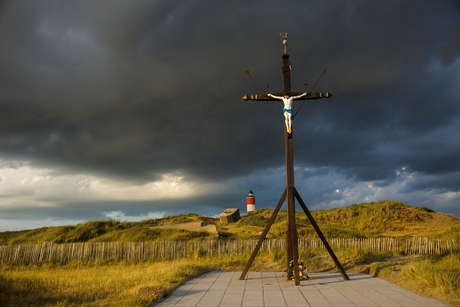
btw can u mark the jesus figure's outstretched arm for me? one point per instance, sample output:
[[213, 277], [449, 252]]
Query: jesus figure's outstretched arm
[[276, 97], [301, 95]]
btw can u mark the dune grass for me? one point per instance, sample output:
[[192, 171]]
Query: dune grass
[[110, 231], [452, 232], [437, 273]]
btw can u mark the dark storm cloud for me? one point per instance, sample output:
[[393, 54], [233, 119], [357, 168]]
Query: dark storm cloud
[[133, 95], [136, 89]]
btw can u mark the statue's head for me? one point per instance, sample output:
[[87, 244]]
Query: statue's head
[[286, 95]]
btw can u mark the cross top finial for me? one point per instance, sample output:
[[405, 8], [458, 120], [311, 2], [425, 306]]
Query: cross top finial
[[284, 38]]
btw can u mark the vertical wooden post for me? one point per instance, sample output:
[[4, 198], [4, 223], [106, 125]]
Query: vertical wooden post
[[286, 70], [292, 241]]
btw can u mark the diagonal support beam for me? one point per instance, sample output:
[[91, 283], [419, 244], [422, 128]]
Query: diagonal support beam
[[320, 234], [264, 234]]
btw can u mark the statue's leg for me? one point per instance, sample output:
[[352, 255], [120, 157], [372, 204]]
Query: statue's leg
[[286, 120], [287, 117]]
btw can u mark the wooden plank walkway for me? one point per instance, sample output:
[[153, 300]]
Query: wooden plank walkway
[[269, 289]]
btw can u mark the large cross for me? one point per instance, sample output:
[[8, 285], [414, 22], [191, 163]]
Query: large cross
[[290, 192]]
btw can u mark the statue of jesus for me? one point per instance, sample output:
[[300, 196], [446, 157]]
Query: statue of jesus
[[288, 116]]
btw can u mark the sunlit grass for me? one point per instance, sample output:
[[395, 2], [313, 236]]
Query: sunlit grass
[[93, 283], [442, 274], [107, 283]]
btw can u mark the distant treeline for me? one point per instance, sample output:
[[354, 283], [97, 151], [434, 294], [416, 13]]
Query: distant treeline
[[67, 252]]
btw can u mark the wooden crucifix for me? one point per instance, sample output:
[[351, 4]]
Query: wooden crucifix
[[290, 192]]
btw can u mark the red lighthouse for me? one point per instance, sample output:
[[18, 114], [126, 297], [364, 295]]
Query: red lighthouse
[[251, 202]]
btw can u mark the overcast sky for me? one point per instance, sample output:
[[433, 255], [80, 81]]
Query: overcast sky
[[133, 109]]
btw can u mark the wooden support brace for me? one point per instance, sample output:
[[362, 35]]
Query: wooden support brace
[[264, 234], [320, 234]]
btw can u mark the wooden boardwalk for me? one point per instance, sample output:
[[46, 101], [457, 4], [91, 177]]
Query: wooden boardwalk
[[269, 289]]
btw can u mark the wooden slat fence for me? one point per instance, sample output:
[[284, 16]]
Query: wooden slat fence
[[182, 249]]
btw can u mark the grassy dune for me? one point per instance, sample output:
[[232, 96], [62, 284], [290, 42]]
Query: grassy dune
[[384, 218], [109, 231], [377, 219]]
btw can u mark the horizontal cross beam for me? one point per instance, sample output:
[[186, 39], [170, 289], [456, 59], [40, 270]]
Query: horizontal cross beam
[[264, 97]]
